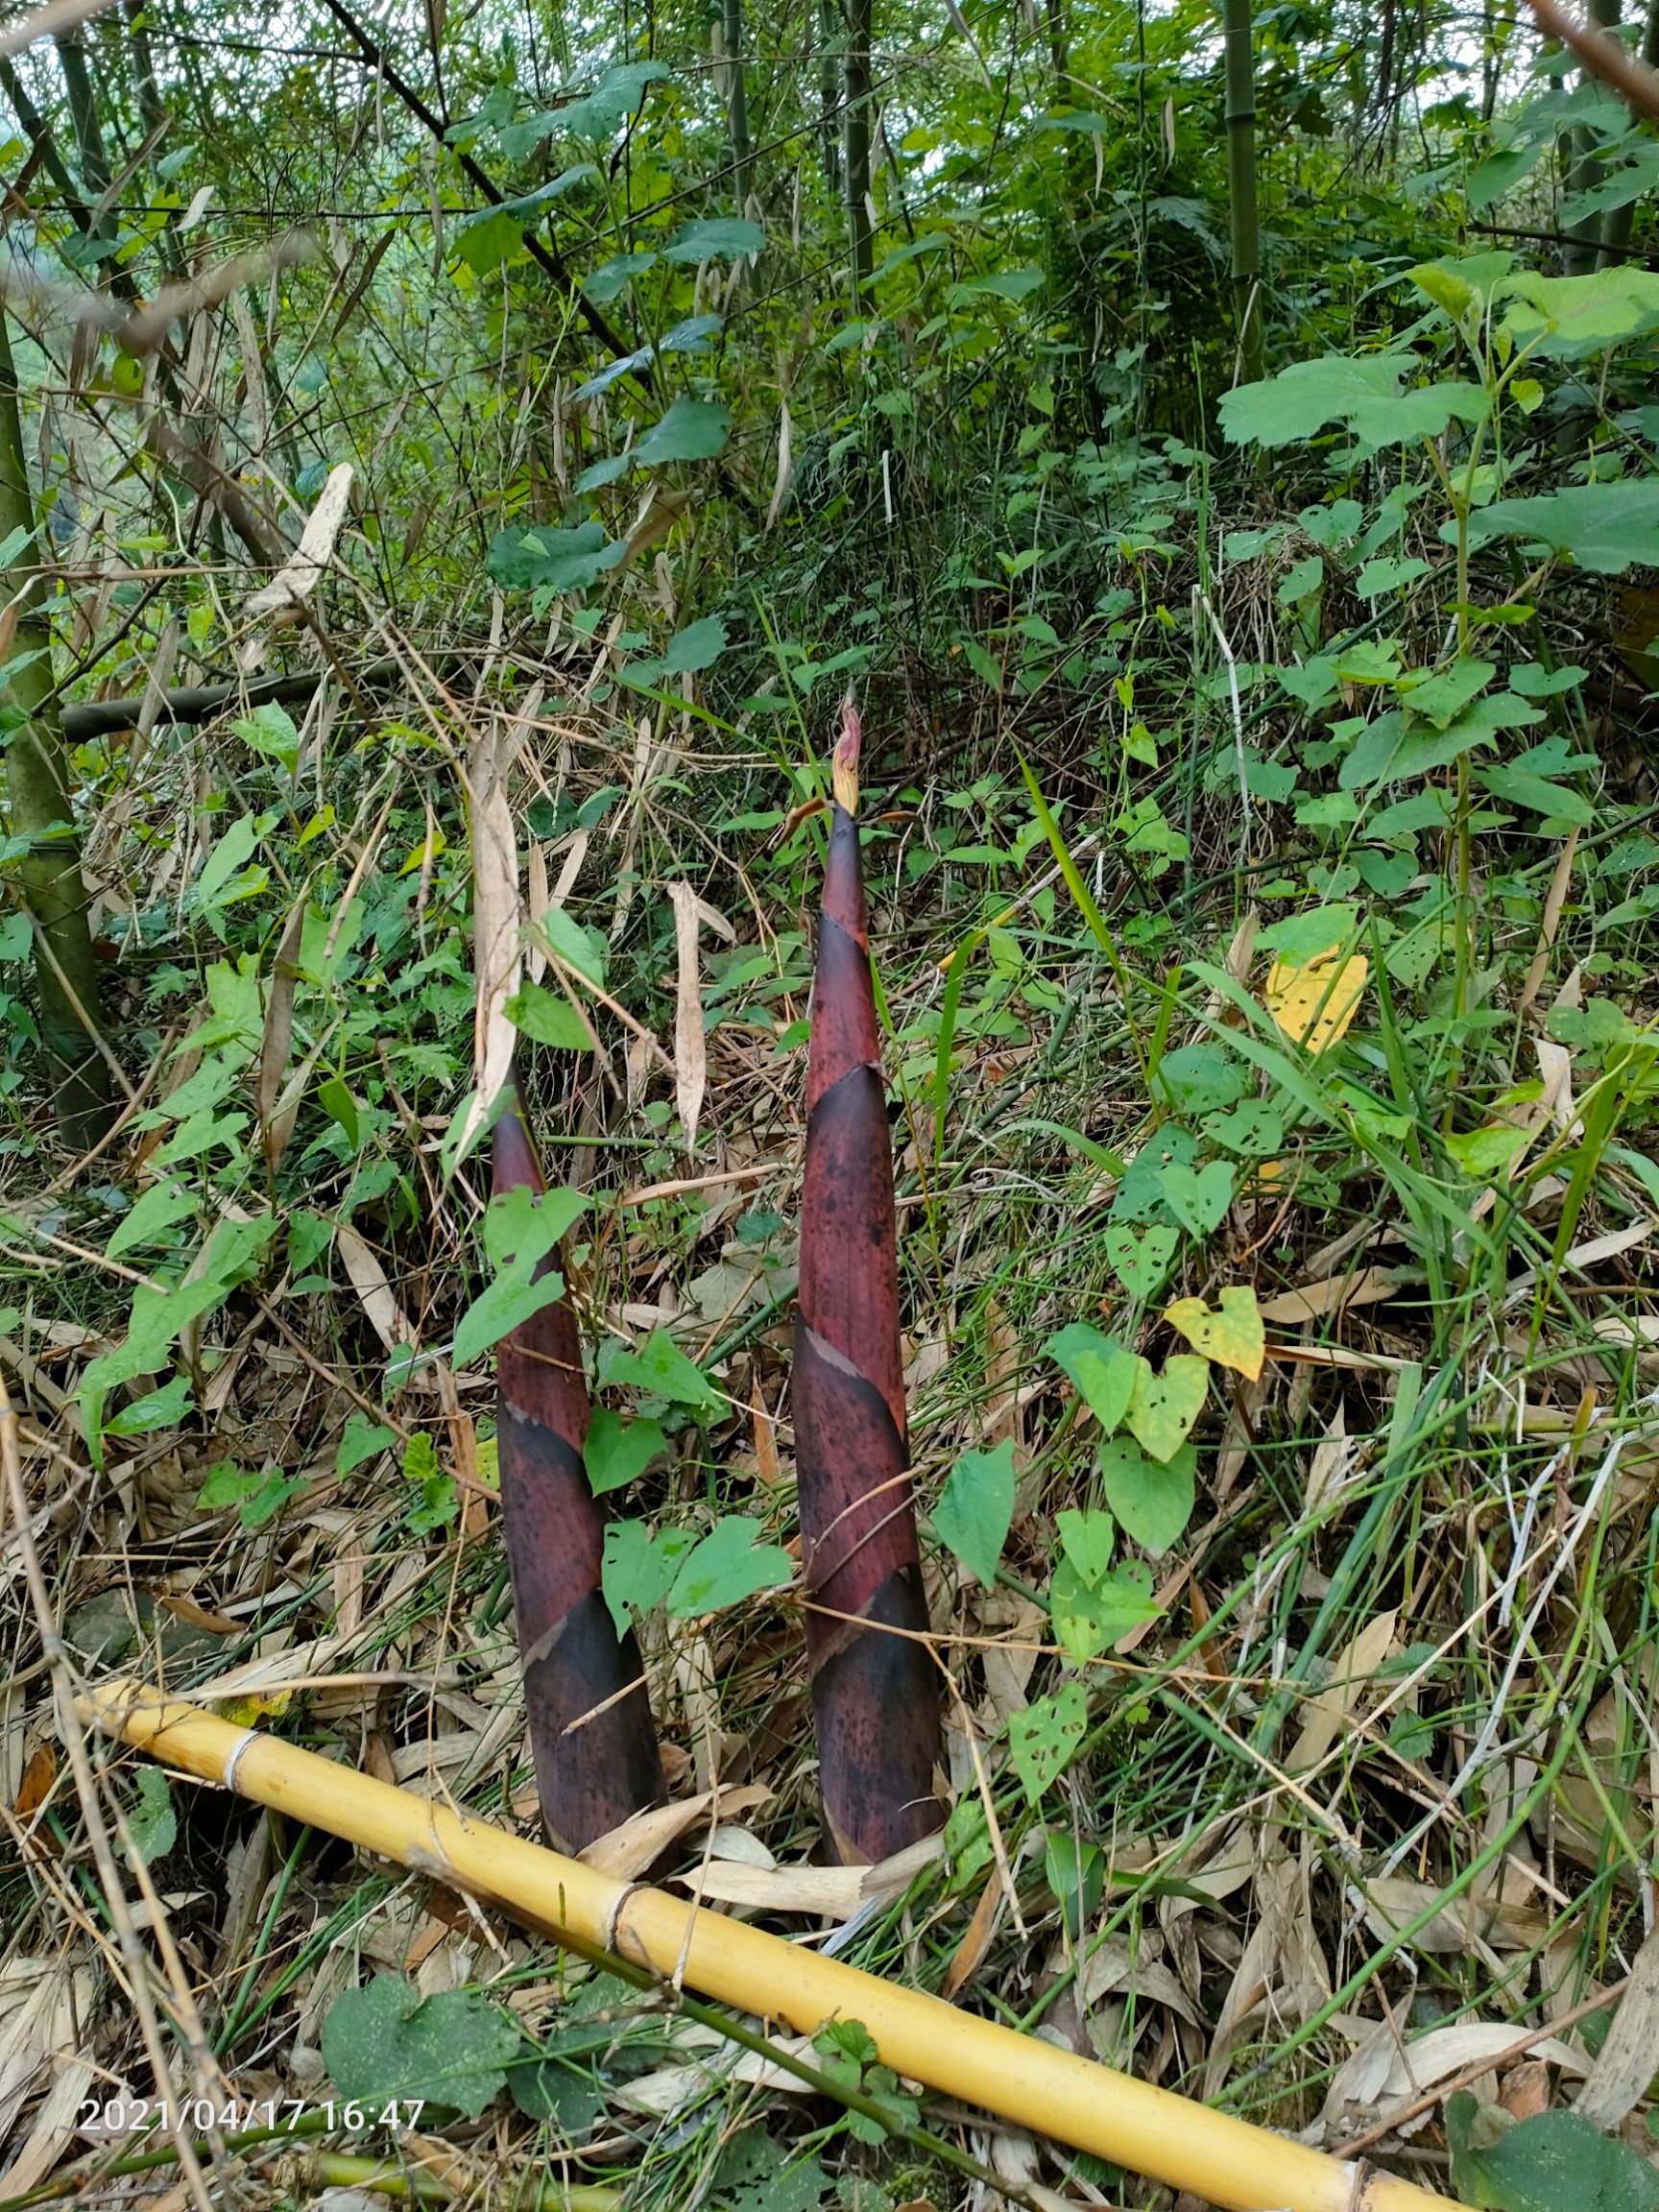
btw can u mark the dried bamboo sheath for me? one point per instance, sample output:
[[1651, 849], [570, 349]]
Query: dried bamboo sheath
[[1219, 2159], [590, 1729], [875, 1686]]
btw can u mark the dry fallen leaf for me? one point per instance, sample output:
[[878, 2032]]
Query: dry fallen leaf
[[835, 1892], [295, 583], [1352, 1671], [495, 931], [1625, 2064], [690, 1051], [1313, 1301], [387, 1318], [627, 1851]]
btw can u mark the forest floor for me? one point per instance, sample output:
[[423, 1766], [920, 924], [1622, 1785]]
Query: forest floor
[[1362, 1819]]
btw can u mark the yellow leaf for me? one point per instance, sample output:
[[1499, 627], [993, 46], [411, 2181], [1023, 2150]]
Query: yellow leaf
[[1314, 1002], [1233, 1337], [253, 1706]]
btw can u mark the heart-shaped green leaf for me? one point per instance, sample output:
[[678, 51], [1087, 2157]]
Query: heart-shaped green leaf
[[618, 1450], [1088, 1540], [1165, 1407], [1199, 1201], [1103, 1370], [1141, 1262], [1090, 1616], [1042, 1738], [975, 1507], [1153, 1502]]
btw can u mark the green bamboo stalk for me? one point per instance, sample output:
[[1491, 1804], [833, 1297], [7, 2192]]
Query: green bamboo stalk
[[1238, 35], [859, 94], [49, 878]]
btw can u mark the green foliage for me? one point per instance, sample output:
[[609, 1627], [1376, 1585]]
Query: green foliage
[[727, 1566], [152, 1821], [1555, 2162], [975, 1507], [1044, 1737], [386, 2043]]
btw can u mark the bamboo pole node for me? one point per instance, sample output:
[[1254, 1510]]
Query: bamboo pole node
[[1051, 2092]]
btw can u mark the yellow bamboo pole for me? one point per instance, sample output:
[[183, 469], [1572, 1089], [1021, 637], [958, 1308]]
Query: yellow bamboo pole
[[1184, 2144]]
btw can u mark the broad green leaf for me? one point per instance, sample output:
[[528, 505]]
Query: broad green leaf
[[583, 949], [1164, 1405], [160, 1315], [1570, 318], [1199, 1201], [617, 1451], [512, 1299], [548, 1018], [1014, 284], [691, 430], [523, 1226], [603, 284], [1089, 1617], [1516, 786], [363, 1439], [1255, 1130], [1142, 1261], [694, 335], [1555, 2162], [1483, 1153], [1605, 528], [1075, 1871], [601, 380], [658, 1365], [1043, 1738], [1461, 281], [618, 93], [715, 238], [554, 560], [1501, 172], [162, 1409], [161, 1205], [1103, 1370], [1363, 391], [1201, 1077], [1317, 929], [271, 729], [1387, 574], [386, 2043], [730, 1564], [974, 1508], [230, 851], [152, 1824], [1443, 694], [1152, 1500], [698, 647], [1088, 1538], [637, 1570]]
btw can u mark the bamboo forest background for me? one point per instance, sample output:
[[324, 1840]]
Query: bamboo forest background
[[453, 462]]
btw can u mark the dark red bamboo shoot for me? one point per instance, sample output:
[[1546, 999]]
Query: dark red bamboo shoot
[[590, 1728], [874, 1685]]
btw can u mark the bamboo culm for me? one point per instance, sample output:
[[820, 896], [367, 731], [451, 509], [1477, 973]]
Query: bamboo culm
[[1221, 2159]]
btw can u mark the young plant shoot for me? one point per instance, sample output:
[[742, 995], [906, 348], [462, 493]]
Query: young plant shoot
[[590, 1728], [874, 1685]]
